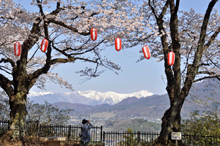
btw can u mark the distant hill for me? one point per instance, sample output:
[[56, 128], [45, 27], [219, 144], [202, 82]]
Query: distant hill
[[134, 124], [152, 106]]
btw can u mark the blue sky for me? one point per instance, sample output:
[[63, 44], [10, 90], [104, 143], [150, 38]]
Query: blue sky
[[144, 75]]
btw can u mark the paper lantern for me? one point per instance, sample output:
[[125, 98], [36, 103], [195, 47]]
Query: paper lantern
[[17, 49], [44, 45], [93, 34], [171, 58], [146, 52], [118, 44]]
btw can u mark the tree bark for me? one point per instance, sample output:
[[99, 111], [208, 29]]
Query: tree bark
[[171, 123], [18, 115]]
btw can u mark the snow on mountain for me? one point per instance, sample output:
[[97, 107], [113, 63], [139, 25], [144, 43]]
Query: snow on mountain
[[32, 94], [112, 97], [90, 97]]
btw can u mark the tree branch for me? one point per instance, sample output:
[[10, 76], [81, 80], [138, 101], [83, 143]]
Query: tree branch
[[205, 22], [193, 69], [208, 77], [177, 6], [80, 48], [6, 85], [58, 4], [8, 60], [168, 70], [4, 69], [212, 38], [206, 72], [33, 77], [40, 7], [164, 9], [152, 9], [89, 49], [68, 27]]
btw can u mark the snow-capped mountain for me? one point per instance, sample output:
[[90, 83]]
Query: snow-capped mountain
[[112, 97], [90, 97], [32, 94]]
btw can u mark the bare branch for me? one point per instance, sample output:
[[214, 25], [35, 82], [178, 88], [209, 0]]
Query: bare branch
[[89, 50], [32, 56], [208, 77], [212, 38], [80, 48], [177, 5], [206, 72], [6, 85], [58, 4], [68, 27], [8, 60], [40, 7], [192, 69], [205, 22], [4, 69], [152, 9], [164, 9]]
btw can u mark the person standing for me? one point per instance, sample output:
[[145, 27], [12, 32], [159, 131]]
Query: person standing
[[85, 132]]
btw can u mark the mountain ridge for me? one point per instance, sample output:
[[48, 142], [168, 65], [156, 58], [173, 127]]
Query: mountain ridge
[[90, 97]]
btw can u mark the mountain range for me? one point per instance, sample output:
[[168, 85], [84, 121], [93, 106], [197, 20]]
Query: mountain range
[[90, 97], [138, 104]]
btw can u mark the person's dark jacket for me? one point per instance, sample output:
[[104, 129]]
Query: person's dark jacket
[[85, 132]]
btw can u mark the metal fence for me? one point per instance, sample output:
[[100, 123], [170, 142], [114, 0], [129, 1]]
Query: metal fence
[[148, 138], [71, 132], [3, 127], [31, 127], [109, 138]]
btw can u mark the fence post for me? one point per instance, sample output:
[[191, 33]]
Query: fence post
[[139, 136], [69, 133], [103, 137], [8, 125], [40, 130], [39, 133], [101, 133], [37, 128]]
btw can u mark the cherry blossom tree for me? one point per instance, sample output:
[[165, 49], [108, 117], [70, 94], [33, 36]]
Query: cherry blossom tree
[[193, 38], [66, 25]]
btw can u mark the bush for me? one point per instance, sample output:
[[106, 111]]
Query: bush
[[206, 126]]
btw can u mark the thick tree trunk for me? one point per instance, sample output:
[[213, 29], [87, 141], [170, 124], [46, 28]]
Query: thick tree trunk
[[17, 115], [170, 123]]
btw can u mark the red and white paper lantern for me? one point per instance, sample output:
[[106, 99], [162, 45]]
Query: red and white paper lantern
[[146, 52], [93, 33], [171, 58], [118, 44], [17, 49], [44, 45]]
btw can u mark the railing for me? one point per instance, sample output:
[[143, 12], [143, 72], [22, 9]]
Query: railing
[[108, 138], [148, 138], [31, 127], [3, 127], [69, 131]]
